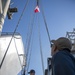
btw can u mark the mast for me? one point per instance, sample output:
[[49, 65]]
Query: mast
[[4, 5]]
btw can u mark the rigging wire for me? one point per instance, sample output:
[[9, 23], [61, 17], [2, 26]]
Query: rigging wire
[[14, 33], [30, 56], [40, 46], [29, 47], [45, 24], [27, 37], [30, 52], [29, 31], [40, 49], [37, 2], [30, 38]]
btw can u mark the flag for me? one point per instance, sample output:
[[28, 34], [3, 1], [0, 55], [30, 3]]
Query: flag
[[37, 9]]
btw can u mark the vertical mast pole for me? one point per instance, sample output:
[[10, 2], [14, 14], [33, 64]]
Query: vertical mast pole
[[4, 5]]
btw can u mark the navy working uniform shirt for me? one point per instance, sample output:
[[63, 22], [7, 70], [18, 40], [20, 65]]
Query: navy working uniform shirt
[[63, 63]]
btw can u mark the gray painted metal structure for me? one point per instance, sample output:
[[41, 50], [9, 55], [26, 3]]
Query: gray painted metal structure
[[71, 36], [4, 5], [15, 57]]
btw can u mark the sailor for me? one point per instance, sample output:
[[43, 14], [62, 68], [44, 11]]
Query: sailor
[[63, 62], [32, 72]]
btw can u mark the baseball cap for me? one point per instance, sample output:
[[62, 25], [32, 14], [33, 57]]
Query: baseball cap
[[31, 71], [62, 43]]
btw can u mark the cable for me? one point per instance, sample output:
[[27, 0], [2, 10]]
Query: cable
[[30, 53], [40, 47], [30, 56], [29, 38], [13, 33], [37, 2], [29, 29], [28, 33], [46, 25]]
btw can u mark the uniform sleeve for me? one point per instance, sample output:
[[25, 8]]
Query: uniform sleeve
[[60, 65]]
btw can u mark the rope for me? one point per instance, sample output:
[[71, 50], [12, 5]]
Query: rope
[[28, 33], [46, 26], [30, 30], [37, 2], [41, 48], [29, 44], [30, 56], [13, 33], [29, 38]]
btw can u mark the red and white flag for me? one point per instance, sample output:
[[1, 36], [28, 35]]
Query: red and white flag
[[37, 9]]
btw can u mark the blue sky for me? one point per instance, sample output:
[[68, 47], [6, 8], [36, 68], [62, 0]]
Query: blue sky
[[60, 18]]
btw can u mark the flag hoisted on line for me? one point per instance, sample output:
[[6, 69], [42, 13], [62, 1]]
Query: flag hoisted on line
[[37, 9]]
